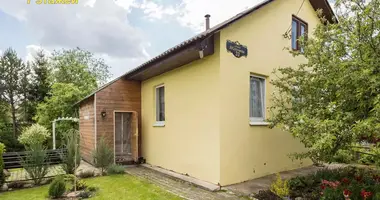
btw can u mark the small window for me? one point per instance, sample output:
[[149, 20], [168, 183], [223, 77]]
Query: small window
[[160, 103], [299, 28], [257, 99]]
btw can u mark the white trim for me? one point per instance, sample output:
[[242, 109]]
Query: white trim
[[95, 126], [258, 120], [159, 124], [256, 123]]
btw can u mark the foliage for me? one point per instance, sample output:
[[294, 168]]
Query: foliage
[[11, 70], [6, 137], [335, 183], [80, 185], [16, 184], [103, 155], [332, 101], [86, 174], [60, 103], [266, 195], [2, 175], [72, 158], [115, 169], [34, 135], [280, 187], [57, 188], [80, 68], [35, 162]]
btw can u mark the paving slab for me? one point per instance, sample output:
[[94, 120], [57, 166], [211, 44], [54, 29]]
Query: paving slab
[[179, 187], [254, 186], [197, 182]]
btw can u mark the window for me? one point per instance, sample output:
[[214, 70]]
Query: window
[[160, 105], [257, 99], [299, 28]]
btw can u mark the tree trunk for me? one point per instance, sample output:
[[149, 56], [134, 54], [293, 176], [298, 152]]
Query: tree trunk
[[13, 109]]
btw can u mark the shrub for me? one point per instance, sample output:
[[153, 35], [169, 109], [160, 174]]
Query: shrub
[[80, 185], [2, 175], [57, 188], [86, 174], [280, 187], [72, 158], [35, 163], [103, 155], [115, 169], [35, 134]]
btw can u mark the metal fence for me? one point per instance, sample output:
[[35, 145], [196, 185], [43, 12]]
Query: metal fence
[[14, 160]]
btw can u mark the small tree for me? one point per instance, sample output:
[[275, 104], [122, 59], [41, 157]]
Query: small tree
[[72, 158], [35, 162], [103, 156], [331, 103]]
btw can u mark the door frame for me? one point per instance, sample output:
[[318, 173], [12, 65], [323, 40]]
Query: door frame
[[136, 134]]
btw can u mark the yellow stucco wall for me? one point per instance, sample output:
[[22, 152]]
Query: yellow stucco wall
[[246, 151], [189, 142]]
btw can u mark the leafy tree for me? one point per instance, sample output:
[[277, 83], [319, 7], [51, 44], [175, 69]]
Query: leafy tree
[[11, 69], [332, 101], [59, 104], [80, 68]]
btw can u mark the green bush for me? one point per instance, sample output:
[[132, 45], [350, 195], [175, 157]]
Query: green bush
[[80, 185], [115, 169], [57, 188], [280, 187], [72, 158], [103, 155], [2, 175], [35, 162], [35, 134]]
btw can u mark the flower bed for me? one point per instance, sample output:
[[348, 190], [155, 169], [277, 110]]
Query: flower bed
[[334, 184]]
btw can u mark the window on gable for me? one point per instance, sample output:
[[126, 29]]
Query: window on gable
[[257, 99], [299, 28], [160, 103]]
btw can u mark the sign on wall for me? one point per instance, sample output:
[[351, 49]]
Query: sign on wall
[[237, 49]]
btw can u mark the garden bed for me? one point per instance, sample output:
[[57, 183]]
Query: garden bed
[[331, 184]]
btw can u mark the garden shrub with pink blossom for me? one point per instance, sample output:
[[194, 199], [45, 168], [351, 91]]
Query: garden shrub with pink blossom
[[348, 183]]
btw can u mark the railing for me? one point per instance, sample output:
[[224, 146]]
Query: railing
[[13, 160]]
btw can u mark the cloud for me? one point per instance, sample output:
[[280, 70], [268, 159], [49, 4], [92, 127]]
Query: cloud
[[32, 50], [192, 13], [99, 26]]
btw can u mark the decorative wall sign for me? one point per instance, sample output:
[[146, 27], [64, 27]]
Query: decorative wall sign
[[237, 49]]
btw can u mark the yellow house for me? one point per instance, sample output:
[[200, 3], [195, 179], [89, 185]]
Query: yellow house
[[200, 108]]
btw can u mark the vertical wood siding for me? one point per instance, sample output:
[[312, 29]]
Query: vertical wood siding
[[87, 128], [122, 95]]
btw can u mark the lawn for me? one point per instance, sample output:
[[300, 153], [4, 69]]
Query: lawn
[[110, 187]]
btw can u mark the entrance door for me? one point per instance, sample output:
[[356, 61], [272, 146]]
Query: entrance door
[[124, 131]]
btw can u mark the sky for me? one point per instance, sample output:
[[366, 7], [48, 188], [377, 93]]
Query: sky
[[125, 33]]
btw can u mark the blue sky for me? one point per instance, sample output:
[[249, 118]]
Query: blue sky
[[125, 33]]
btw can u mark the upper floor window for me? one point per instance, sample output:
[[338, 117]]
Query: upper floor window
[[160, 104], [257, 99], [299, 28]]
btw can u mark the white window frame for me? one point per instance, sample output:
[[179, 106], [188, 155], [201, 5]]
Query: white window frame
[[157, 106], [258, 120]]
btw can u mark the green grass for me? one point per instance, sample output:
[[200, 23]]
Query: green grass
[[123, 187]]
